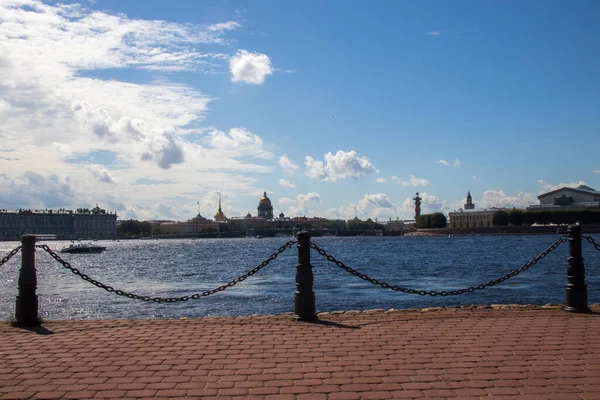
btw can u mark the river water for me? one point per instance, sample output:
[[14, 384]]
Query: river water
[[178, 267]]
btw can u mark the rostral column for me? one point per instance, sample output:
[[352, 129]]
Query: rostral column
[[417, 206]]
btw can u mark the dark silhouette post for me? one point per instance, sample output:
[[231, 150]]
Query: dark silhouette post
[[304, 298], [576, 290], [26, 307]]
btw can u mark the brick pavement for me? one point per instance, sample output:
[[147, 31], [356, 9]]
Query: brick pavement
[[467, 353]]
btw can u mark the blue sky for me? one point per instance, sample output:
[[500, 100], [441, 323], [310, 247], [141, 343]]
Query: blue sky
[[148, 107]]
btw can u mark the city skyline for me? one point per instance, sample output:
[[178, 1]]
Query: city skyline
[[148, 108]]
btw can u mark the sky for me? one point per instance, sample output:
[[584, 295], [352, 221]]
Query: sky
[[151, 108]]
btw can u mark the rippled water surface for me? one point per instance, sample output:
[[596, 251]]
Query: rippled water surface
[[172, 268]]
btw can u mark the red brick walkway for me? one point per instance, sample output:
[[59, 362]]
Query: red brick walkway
[[449, 353]]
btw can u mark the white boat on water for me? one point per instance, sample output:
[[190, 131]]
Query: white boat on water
[[83, 248]]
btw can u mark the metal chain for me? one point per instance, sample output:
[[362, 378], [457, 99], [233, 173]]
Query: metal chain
[[9, 256], [196, 296], [470, 289], [592, 242]]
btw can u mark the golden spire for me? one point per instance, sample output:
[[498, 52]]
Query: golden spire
[[220, 215]]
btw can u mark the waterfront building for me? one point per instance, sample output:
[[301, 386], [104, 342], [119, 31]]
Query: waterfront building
[[398, 225], [82, 223], [567, 198], [265, 209], [471, 218], [169, 228], [248, 222]]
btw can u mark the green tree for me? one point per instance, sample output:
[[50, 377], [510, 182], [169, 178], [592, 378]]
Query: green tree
[[438, 220], [516, 217], [500, 218], [133, 227]]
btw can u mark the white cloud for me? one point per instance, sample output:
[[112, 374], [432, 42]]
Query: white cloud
[[342, 165], [286, 201], [32, 190], [224, 26], [376, 206], [287, 165], [381, 180], [412, 181], [301, 206], [240, 142], [497, 198], [377, 200], [547, 187], [286, 183], [250, 67], [57, 113], [303, 199], [92, 39], [596, 171], [434, 33], [101, 174], [429, 204], [445, 163]]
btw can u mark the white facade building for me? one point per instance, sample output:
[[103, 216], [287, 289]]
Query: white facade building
[[566, 198]]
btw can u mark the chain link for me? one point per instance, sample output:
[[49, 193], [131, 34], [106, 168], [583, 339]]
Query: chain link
[[196, 296], [9, 256], [470, 289], [592, 242]]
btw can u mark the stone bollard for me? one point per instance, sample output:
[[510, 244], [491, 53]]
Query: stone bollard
[[576, 290], [304, 298], [26, 307]]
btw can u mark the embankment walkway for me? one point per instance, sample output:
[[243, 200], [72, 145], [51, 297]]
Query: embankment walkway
[[466, 353]]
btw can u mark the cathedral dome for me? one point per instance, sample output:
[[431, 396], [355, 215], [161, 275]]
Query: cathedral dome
[[265, 201], [265, 209]]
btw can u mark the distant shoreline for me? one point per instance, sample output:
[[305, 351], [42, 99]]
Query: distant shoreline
[[491, 231]]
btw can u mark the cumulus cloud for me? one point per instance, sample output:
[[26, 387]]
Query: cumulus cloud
[[442, 162], [303, 199], [286, 183], [32, 190], [498, 198], [412, 181], [287, 165], [378, 200], [376, 206], [301, 205], [342, 165], [165, 151], [250, 67], [101, 174], [381, 180]]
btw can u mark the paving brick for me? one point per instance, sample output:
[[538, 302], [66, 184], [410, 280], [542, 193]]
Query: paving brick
[[472, 353]]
